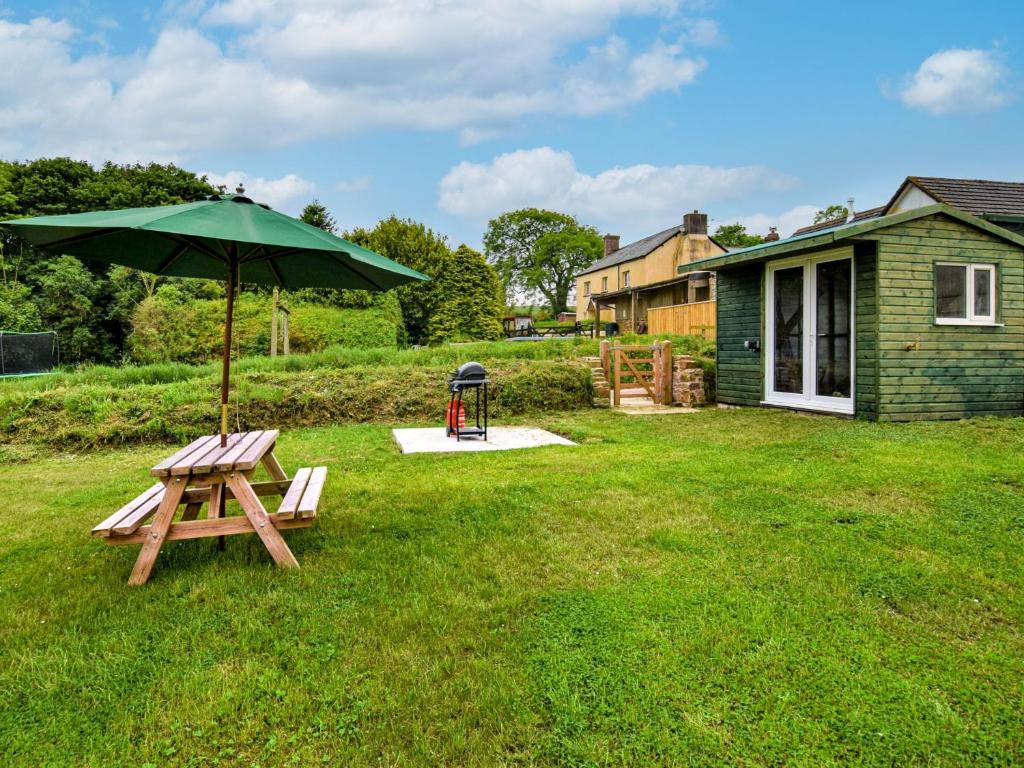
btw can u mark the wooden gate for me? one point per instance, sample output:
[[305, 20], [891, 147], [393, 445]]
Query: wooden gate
[[639, 371]]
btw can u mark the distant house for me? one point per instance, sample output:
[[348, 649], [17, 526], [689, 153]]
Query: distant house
[[1001, 202], [566, 317], [636, 285], [517, 325], [913, 314]]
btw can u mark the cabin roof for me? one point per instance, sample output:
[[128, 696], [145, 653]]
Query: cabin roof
[[844, 231]]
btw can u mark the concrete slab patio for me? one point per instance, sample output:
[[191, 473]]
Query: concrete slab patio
[[433, 440]]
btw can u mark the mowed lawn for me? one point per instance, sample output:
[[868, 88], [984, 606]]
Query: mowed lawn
[[727, 587]]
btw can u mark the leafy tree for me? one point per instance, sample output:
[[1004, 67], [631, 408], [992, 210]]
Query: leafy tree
[[88, 304], [316, 213], [511, 242], [414, 245], [469, 300], [68, 294], [556, 260], [17, 312], [735, 236], [832, 213]]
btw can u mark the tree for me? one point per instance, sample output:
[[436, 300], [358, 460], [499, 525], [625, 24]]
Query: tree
[[511, 245], [87, 303], [316, 213], [68, 294], [468, 300], [832, 213], [735, 236], [556, 260], [17, 312], [414, 245]]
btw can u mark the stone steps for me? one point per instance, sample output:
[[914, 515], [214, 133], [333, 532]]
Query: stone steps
[[602, 389]]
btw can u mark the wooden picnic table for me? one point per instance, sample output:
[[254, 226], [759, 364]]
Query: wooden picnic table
[[204, 472]]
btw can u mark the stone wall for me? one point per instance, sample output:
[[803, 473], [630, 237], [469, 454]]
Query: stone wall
[[687, 381]]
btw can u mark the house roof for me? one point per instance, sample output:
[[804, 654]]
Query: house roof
[[639, 249], [647, 287], [977, 196], [871, 213], [839, 232]]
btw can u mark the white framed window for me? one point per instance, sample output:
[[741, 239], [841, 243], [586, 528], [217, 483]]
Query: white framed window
[[625, 279], [965, 294], [586, 288], [604, 285]]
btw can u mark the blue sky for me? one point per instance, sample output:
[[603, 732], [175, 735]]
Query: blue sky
[[625, 113]]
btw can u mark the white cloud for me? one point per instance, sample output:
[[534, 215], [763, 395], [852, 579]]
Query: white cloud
[[351, 186], [286, 194], [245, 74], [957, 80], [786, 222], [471, 135], [631, 198]]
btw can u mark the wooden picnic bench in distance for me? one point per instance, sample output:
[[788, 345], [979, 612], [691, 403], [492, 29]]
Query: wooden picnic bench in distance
[[203, 472]]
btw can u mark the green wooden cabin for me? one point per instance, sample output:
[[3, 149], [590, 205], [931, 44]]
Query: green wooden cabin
[[916, 315]]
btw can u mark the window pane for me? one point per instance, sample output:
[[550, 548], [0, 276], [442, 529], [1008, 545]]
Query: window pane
[[950, 291], [789, 330], [833, 331], [983, 292]]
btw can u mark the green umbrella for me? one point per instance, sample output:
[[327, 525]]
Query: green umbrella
[[223, 237]]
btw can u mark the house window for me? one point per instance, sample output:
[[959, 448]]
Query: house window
[[604, 284], [586, 288], [625, 278], [965, 294]]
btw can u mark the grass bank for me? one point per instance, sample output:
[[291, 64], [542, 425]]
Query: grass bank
[[448, 355], [84, 416], [744, 588], [108, 406]]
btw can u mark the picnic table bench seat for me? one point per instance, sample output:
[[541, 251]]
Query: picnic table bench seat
[[302, 498], [208, 473], [133, 514]]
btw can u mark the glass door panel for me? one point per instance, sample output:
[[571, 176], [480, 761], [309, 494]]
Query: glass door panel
[[833, 348], [788, 348]]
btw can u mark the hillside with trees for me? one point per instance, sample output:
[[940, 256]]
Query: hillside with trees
[[110, 314]]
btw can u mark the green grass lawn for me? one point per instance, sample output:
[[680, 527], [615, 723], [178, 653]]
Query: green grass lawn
[[727, 587]]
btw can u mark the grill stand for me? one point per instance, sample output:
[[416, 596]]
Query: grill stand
[[455, 405]]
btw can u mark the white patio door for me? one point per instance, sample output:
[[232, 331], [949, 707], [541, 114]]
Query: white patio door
[[809, 349]]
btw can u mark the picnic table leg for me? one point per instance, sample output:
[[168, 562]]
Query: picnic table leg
[[191, 511], [157, 531], [274, 467], [260, 521], [216, 508]]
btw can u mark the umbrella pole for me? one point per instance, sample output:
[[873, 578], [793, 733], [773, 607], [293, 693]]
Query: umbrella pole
[[225, 376]]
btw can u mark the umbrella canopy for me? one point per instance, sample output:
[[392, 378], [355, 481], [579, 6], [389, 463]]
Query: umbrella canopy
[[225, 237], [204, 239]]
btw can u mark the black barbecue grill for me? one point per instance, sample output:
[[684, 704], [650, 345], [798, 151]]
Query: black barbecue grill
[[468, 376]]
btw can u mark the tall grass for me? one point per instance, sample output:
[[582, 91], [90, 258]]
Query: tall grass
[[340, 358]]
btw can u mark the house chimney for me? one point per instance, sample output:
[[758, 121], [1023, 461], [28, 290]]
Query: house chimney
[[849, 210], [773, 235], [695, 223], [611, 244]]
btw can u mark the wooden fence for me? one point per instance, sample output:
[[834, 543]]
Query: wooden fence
[[697, 319]]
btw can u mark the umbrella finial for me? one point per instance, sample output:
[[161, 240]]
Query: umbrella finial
[[239, 190]]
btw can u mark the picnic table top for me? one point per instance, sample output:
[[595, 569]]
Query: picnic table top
[[205, 454]]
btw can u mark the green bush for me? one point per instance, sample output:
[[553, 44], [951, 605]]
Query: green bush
[[469, 300], [98, 414], [169, 327]]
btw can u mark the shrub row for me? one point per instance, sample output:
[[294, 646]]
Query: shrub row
[[103, 414]]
